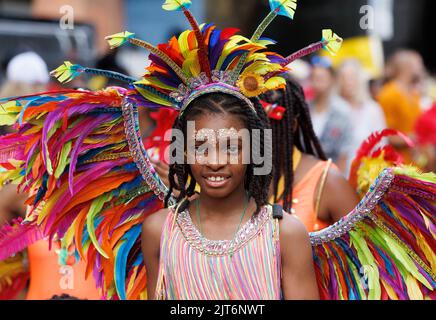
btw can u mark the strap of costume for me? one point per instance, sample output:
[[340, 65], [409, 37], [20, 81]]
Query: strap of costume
[[321, 186]]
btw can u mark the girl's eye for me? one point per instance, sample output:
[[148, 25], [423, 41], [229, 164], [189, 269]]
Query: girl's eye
[[233, 150], [201, 149]]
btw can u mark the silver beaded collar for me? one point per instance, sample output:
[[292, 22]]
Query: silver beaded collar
[[222, 247]]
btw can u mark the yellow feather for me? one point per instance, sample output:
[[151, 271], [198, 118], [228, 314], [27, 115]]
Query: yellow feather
[[391, 293], [191, 64], [153, 97], [232, 45], [275, 83], [184, 44], [172, 5], [262, 68], [257, 56], [155, 82], [431, 257], [413, 289], [69, 236]]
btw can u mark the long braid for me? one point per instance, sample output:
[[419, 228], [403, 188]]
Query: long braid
[[306, 127], [294, 129], [256, 186]]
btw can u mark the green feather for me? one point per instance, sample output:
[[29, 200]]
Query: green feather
[[94, 210], [63, 159], [414, 172], [402, 258], [119, 39], [173, 5], [369, 264]]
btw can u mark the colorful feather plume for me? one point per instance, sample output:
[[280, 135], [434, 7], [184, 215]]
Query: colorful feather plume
[[68, 72], [283, 7], [202, 56], [172, 5], [330, 41], [119, 39]]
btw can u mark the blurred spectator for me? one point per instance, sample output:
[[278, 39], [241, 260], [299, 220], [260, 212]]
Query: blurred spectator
[[26, 73], [366, 114], [400, 97], [330, 113], [375, 86]]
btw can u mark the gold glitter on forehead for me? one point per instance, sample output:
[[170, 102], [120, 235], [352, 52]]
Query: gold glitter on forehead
[[211, 134]]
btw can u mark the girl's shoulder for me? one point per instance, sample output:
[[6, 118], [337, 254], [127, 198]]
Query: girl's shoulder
[[292, 229], [154, 223]]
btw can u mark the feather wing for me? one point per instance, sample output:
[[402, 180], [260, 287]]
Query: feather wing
[[72, 157], [383, 249]]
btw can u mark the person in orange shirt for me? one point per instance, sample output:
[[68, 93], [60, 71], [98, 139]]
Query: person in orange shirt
[[400, 97], [48, 278], [306, 183]]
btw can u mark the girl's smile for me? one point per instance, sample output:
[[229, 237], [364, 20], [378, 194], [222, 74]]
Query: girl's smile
[[216, 180]]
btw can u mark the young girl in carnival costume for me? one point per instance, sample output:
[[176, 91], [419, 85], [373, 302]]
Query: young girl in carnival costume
[[227, 236], [305, 181], [80, 154]]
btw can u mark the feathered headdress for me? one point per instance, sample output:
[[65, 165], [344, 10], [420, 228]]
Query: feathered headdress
[[206, 59]]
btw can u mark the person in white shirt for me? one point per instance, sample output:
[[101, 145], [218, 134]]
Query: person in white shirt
[[329, 113], [365, 114]]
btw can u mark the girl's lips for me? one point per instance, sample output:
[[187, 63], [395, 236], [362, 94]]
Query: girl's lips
[[216, 181]]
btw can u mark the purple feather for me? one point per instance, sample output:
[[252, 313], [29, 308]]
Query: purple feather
[[98, 170], [86, 130]]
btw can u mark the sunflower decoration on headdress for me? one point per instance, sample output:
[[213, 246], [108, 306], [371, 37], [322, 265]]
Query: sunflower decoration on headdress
[[205, 59]]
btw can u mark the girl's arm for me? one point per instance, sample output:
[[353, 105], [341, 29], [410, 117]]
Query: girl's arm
[[298, 275], [150, 238], [338, 197]]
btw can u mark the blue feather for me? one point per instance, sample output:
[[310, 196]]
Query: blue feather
[[228, 60], [286, 10], [214, 50], [129, 240]]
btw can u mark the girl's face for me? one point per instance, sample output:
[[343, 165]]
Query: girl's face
[[348, 81], [321, 80], [218, 167]]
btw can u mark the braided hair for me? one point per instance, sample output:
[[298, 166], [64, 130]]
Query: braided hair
[[294, 129], [257, 186]]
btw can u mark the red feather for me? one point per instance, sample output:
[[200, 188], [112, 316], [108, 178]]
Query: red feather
[[202, 52], [368, 145]]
